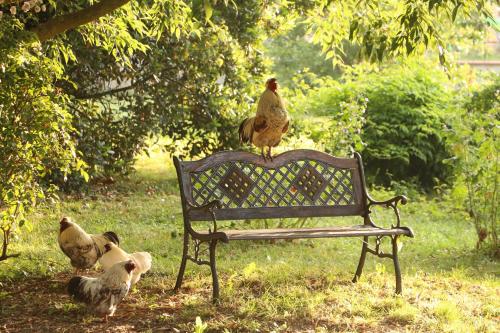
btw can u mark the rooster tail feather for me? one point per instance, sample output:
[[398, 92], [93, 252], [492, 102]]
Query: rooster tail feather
[[74, 289], [246, 130], [144, 261], [112, 237]]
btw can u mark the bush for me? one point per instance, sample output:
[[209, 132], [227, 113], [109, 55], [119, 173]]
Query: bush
[[327, 112], [405, 124], [401, 135], [475, 142], [193, 89], [34, 127]]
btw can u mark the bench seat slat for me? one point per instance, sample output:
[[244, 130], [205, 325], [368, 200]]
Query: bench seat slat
[[325, 232]]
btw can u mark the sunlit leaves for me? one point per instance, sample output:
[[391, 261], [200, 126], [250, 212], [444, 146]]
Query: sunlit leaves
[[170, 17], [474, 136], [388, 28], [35, 126]]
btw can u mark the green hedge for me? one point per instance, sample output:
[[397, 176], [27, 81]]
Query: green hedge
[[401, 134]]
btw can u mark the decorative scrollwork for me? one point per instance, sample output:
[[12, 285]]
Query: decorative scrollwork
[[198, 252], [305, 182], [391, 203], [377, 251], [236, 184], [310, 182]]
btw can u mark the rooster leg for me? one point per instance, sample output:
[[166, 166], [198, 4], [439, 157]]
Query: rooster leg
[[262, 154], [269, 154]]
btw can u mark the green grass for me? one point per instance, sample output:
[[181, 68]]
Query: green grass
[[283, 286]]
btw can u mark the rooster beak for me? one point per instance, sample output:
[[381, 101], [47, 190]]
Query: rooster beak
[[130, 266]]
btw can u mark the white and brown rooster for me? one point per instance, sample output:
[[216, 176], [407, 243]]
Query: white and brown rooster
[[114, 254], [102, 294], [82, 248], [269, 124]]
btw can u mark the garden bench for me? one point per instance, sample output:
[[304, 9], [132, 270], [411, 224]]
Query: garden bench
[[300, 183]]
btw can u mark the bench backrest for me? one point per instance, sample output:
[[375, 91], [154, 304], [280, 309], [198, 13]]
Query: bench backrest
[[298, 183]]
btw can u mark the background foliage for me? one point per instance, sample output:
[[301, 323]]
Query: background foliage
[[35, 128], [393, 114], [190, 71], [475, 141]]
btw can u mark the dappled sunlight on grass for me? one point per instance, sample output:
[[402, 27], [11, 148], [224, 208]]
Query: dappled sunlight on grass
[[281, 286]]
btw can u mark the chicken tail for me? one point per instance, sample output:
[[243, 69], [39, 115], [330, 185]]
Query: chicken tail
[[144, 261], [112, 237], [246, 130]]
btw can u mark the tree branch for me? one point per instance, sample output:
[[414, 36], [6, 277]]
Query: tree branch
[[60, 24], [103, 93], [108, 92]]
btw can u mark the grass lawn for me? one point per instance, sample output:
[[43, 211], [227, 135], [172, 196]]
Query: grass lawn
[[297, 286]]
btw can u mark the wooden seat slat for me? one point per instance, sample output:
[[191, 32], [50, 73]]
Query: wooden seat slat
[[312, 233]]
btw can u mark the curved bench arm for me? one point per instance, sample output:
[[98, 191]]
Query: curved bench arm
[[210, 207], [388, 203], [391, 203]]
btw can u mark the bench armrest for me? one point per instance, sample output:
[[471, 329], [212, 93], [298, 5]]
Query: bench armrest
[[210, 207], [216, 204], [388, 203], [391, 203]]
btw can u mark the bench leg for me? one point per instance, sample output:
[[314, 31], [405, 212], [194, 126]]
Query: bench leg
[[397, 270], [361, 263], [215, 279], [185, 249]]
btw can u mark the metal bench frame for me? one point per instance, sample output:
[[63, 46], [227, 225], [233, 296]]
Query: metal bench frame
[[234, 185]]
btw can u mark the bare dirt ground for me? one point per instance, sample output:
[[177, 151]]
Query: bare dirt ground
[[43, 305]]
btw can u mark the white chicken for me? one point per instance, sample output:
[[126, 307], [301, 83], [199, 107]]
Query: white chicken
[[269, 124], [114, 254], [82, 248], [103, 294]]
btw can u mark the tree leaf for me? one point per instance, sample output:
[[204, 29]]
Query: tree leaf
[[208, 9], [455, 11]]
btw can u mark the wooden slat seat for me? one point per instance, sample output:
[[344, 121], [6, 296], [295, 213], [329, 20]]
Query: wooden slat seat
[[296, 184], [323, 232]]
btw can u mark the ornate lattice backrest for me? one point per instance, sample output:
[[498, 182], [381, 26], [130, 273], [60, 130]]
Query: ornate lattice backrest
[[296, 183]]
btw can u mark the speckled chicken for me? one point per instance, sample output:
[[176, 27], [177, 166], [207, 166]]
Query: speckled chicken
[[114, 254], [82, 248], [269, 124], [103, 293]]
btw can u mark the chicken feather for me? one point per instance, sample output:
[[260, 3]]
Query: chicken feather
[[270, 122], [82, 248], [114, 254], [103, 294]]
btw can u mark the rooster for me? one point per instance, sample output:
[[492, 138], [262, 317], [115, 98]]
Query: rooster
[[269, 124], [83, 249], [114, 254], [103, 294]]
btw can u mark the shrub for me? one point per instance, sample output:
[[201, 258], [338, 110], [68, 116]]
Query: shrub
[[404, 124], [401, 134], [34, 127], [327, 112], [475, 140], [193, 89]]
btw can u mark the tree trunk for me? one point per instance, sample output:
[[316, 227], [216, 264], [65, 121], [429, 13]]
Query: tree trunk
[[60, 24], [5, 243]]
